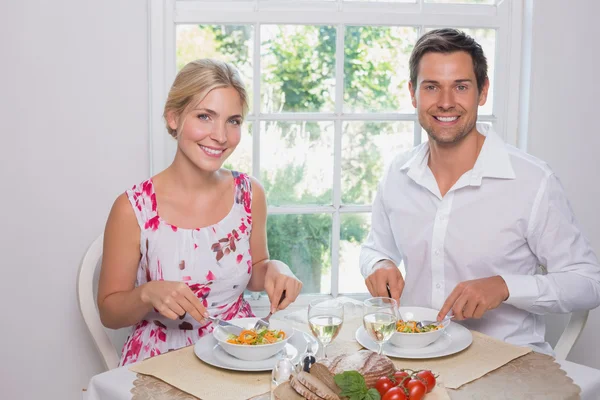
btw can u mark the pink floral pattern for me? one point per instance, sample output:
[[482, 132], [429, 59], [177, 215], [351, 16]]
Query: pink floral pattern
[[214, 261]]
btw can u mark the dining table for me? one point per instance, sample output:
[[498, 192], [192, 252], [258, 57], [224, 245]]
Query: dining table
[[486, 369]]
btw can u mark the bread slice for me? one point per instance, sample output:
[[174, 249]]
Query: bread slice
[[303, 390], [316, 386], [321, 372], [286, 392]]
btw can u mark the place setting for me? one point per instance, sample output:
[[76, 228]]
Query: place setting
[[253, 352], [409, 332]]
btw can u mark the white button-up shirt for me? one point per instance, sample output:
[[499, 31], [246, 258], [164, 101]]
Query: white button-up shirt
[[506, 216]]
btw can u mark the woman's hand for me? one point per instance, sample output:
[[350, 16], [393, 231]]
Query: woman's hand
[[276, 282], [173, 300]]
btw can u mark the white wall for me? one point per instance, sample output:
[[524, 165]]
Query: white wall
[[562, 121], [73, 112]]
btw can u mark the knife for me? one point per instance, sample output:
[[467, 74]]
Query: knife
[[236, 330]]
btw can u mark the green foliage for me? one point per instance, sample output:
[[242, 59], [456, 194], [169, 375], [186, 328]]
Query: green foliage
[[299, 71], [298, 239]]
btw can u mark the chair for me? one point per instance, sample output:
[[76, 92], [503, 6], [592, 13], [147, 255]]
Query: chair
[[86, 283], [569, 336]]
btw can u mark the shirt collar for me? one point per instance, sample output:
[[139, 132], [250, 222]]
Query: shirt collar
[[493, 160]]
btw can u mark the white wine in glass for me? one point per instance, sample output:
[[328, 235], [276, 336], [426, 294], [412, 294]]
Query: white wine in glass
[[325, 327], [380, 315], [325, 319]]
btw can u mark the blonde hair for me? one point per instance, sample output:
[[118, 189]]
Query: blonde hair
[[195, 81]]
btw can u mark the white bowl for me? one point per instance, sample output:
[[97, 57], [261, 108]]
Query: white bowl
[[417, 340], [252, 352]]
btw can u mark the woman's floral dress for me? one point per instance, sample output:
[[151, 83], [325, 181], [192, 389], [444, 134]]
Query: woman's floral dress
[[213, 261]]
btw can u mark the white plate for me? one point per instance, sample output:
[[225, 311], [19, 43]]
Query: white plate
[[455, 338], [208, 350]]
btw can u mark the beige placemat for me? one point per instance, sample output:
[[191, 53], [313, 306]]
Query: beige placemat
[[185, 371], [485, 354]]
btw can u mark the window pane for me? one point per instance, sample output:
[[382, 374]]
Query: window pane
[[376, 68], [367, 147], [297, 162], [297, 68], [354, 231], [302, 241], [424, 136], [462, 1], [231, 43], [487, 39], [241, 159]]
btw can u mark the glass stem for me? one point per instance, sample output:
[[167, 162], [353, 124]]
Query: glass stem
[[322, 351], [380, 349]]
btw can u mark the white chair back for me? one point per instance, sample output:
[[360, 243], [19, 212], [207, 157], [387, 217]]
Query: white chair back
[[107, 341], [570, 334]]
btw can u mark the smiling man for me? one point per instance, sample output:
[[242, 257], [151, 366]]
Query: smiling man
[[472, 218]]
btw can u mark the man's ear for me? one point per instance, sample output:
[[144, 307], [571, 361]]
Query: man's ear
[[412, 89], [484, 92]]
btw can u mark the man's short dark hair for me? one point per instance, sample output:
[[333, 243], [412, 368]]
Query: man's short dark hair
[[448, 41]]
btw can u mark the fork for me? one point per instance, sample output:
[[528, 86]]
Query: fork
[[263, 323], [425, 322]]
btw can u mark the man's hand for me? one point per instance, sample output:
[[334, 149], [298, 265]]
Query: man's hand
[[385, 274], [471, 299]]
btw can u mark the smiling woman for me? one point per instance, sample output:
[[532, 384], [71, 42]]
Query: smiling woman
[[186, 243]]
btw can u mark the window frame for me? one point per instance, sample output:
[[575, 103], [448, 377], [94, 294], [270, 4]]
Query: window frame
[[506, 17]]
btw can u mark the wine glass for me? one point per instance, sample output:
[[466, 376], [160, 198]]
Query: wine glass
[[380, 315], [325, 319]]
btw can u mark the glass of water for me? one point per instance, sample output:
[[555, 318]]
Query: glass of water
[[325, 319], [380, 315]]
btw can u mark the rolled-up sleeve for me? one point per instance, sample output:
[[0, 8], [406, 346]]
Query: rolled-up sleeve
[[380, 243], [572, 281]]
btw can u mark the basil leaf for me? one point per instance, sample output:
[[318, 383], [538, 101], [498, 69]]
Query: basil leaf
[[351, 383], [372, 394]]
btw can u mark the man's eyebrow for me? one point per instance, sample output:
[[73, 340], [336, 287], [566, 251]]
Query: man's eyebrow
[[466, 80]]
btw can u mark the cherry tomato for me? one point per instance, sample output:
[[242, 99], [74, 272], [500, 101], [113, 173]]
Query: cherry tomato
[[416, 389], [402, 378], [427, 378], [395, 393], [383, 384]]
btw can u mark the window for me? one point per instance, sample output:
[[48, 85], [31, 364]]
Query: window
[[329, 105]]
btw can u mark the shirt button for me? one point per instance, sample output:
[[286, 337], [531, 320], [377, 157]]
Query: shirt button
[[438, 285], [436, 252], [442, 218]]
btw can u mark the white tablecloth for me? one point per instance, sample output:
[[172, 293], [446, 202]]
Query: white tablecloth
[[116, 384]]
